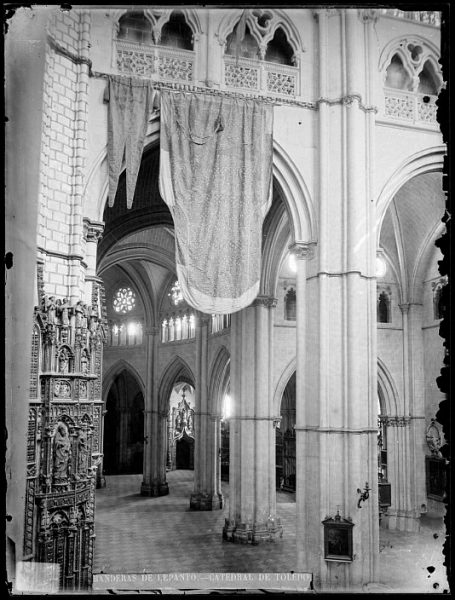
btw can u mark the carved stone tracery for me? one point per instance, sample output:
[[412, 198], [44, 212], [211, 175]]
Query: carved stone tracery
[[64, 434]]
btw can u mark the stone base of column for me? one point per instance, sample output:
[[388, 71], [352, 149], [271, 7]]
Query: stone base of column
[[252, 533], [154, 489], [401, 520], [200, 501]]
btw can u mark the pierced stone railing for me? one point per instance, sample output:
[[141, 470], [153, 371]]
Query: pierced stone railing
[[410, 107], [157, 62], [261, 76], [427, 17]]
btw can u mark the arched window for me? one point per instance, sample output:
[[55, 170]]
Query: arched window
[[177, 33], [428, 80], [383, 308], [135, 27], [279, 49], [248, 47], [290, 305], [397, 76]]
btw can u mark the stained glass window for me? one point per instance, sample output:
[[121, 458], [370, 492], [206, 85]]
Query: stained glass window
[[124, 300]]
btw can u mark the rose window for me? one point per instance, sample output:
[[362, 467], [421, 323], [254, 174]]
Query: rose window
[[124, 300]]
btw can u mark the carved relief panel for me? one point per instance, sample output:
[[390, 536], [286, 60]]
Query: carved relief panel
[[64, 433]]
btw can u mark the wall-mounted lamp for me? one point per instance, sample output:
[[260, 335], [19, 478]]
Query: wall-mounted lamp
[[363, 495]]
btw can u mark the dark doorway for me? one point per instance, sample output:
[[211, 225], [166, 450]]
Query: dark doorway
[[224, 450], [285, 440], [184, 457], [123, 446]]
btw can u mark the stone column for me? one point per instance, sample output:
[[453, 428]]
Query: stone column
[[336, 404], [252, 497], [206, 494], [417, 432], [407, 432], [306, 479], [25, 52], [154, 480]]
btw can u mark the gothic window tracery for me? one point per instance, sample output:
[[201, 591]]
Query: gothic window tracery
[[126, 322], [397, 76], [124, 300], [263, 56], [157, 43], [176, 33], [279, 50], [412, 81], [135, 27], [177, 320], [220, 323]]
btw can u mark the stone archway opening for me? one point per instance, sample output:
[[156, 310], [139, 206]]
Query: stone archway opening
[[180, 428], [123, 444], [285, 440]]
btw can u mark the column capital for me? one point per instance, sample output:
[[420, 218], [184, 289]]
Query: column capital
[[398, 421], [405, 307], [93, 230], [267, 301], [303, 250], [325, 12], [368, 15]]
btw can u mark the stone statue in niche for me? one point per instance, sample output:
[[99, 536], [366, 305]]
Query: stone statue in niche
[[93, 318], [78, 310], [62, 452], [85, 314], [44, 303], [63, 360], [83, 389], [51, 310], [63, 307], [434, 438], [84, 362], [83, 452]]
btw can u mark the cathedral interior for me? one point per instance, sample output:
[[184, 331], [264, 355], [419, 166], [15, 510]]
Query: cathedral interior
[[288, 428]]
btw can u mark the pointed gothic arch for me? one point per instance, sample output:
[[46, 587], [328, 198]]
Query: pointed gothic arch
[[115, 370], [177, 370], [284, 379], [389, 393], [425, 161]]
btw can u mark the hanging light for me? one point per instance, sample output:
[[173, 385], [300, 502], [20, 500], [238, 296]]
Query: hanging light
[[176, 293]]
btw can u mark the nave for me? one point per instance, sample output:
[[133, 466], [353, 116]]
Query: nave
[[138, 534]]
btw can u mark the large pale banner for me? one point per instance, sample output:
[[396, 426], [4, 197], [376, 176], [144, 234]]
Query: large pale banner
[[216, 177]]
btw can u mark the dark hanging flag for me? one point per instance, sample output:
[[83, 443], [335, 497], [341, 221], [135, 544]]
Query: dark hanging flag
[[130, 102]]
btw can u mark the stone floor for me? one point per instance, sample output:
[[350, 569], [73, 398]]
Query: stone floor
[[136, 534]]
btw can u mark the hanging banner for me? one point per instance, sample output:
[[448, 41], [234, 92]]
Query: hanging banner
[[216, 178], [130, 101]]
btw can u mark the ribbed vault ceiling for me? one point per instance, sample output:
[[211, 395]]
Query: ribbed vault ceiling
[[410, 224]]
